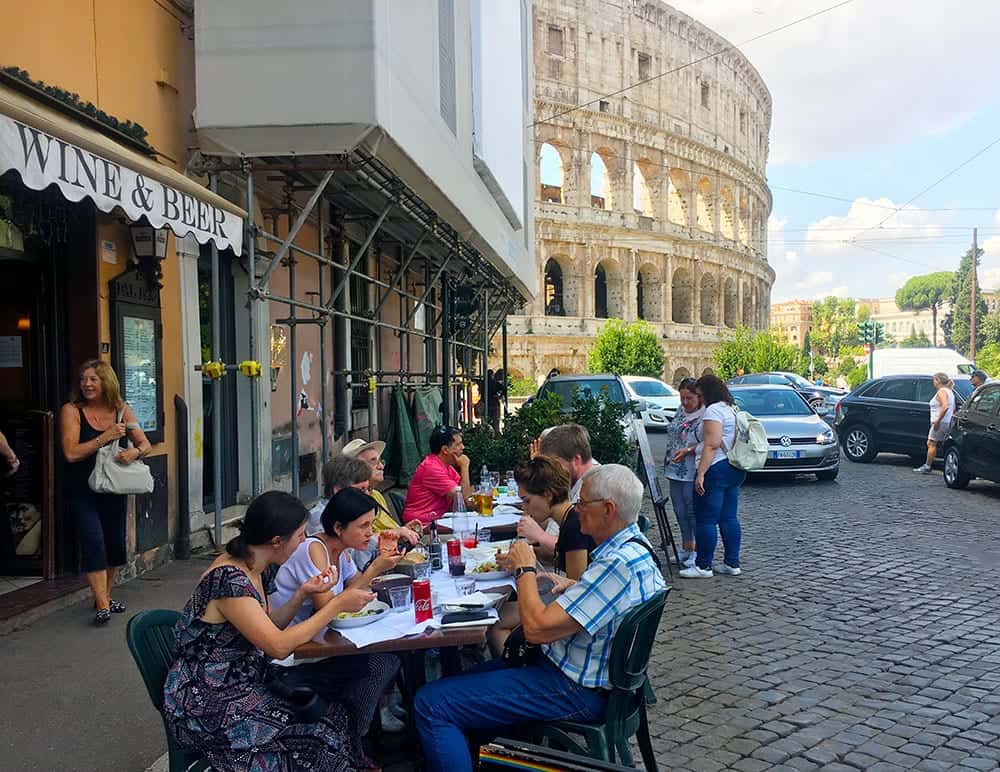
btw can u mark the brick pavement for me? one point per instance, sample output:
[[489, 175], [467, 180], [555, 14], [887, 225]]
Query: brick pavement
[[864, 632]]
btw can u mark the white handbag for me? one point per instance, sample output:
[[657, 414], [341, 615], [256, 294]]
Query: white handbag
[[111, 476]]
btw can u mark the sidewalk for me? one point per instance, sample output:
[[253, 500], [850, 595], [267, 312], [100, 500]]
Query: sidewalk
[[73, 699]]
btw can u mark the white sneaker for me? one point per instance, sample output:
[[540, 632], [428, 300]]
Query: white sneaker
[[689, 560], [722, 568], [390, 724], [696, 573], [923, 469]]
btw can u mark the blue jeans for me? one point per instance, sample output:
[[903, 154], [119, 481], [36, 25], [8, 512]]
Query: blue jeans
[[716, 511], [489, 699], [682, 498]]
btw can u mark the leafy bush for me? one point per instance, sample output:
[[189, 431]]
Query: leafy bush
[[988, 358], [857, 376], [752, 352], [521, 387], [626, 349]]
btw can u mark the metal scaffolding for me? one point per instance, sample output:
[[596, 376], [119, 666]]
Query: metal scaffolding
[[431, 264]]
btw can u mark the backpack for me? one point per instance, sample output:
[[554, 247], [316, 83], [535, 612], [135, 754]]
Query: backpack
[[749, 451]]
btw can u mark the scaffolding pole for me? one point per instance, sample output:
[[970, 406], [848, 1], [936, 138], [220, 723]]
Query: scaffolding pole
[[251, 242], [324, 441], [445, 348], [216, 385]]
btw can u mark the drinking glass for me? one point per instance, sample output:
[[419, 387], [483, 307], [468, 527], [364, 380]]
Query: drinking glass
[[399, 598], [422, 570], [483, 535], [465, 585]]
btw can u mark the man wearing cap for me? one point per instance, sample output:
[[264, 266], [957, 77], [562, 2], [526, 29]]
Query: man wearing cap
[[978, 378], [371, 454]]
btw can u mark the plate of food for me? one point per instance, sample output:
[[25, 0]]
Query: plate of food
[[488, 571], [367, 615]]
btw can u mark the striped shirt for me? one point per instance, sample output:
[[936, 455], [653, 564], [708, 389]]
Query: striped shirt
[[621, 575]]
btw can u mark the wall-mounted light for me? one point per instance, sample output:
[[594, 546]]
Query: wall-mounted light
[[24, 323], [149, 249], [279, 352]]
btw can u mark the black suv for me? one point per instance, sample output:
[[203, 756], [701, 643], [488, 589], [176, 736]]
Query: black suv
[[973, 445], [890, 414], [817, 396]]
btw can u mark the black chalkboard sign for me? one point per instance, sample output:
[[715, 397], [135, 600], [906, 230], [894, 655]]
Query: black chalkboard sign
[[646, 462]]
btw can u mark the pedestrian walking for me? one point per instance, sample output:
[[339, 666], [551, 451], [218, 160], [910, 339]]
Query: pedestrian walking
[[716, 484], [942, 410], [679, 465], [96, 417]]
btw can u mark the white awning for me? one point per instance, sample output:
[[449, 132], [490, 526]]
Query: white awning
[[48, 148]]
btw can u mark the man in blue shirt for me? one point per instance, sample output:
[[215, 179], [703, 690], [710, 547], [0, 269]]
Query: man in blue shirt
[[570, 678]]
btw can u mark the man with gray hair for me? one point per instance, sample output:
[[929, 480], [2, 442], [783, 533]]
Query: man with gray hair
[[568, 677]]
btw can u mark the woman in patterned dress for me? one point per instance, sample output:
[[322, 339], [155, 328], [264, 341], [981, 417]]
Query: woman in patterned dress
[[678, 466], [216, 701]]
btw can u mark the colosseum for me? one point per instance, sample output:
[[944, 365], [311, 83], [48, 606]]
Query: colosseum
[[652, 202]]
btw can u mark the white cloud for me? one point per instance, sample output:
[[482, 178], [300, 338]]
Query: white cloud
[[865, 76], [989, 276]]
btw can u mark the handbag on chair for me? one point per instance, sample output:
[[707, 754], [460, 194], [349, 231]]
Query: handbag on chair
[[111, 476]]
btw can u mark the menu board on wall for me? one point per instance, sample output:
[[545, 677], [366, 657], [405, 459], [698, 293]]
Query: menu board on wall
[[139, 378]]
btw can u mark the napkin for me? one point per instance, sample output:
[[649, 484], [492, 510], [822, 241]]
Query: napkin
[[480, 599]]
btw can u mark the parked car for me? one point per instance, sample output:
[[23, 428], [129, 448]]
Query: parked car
[[813, 394], [661, 401], [798, 438], [973, 445], [569, 386], [890, 415]]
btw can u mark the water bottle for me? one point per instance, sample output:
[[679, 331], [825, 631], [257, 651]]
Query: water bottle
[[435, 547], [484, 475], [459, 506]]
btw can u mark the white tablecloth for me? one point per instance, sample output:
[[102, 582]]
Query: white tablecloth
[[481, 521]]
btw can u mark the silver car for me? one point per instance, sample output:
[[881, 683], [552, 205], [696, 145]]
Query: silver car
[[799, 440], [658, 402]]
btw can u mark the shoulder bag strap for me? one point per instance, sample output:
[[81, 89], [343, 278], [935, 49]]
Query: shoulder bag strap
[[649, 548]]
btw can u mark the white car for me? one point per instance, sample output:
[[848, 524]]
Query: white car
[[660, 401]]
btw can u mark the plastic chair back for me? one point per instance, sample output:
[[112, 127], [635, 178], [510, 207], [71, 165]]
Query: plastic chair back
[[633, 644]]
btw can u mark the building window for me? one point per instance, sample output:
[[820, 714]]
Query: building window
[[706, 94], [645, 66], [604, 106], [743, 121], [446, 61], [600, 293], [554, 290], [554, 41]]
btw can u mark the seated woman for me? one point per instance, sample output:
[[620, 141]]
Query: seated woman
[[543, 485], [371, 454], [347, 526], [216, 701]]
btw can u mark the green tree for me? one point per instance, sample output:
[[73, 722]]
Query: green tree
[[751, 352], [626, 349], [988, 359], [991, 328], [834, 324], [929, 291], [957, 323], [915, 340]]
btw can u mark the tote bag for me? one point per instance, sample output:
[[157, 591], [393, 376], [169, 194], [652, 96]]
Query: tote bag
[[110, 476]]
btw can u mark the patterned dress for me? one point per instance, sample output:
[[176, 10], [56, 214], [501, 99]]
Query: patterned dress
[[216, 701]]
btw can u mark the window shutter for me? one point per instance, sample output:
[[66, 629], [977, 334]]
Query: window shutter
[[446, 61]]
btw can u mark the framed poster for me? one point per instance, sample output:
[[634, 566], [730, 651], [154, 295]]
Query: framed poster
[[137, 349]]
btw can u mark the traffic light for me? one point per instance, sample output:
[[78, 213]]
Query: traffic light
[[879, 332], [866, 331]]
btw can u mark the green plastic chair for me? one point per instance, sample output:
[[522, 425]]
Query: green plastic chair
[[150, 637], [630, 693]]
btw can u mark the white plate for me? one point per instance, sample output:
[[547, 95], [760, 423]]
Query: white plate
[[344, 624], [507, 498], [470, 604], [489, 576]]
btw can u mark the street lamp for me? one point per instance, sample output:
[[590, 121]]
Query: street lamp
[[149, 249]]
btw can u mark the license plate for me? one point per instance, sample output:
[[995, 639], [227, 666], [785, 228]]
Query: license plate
[[785, 454]]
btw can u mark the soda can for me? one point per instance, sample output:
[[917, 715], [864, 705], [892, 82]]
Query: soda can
[[422, 609]]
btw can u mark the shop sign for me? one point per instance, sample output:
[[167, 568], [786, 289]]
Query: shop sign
[[42, 160]]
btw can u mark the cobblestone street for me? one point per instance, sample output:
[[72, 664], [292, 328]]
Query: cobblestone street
[[864, 632]]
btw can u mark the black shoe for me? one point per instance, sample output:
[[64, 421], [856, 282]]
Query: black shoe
[[102, 616], [116, 607]]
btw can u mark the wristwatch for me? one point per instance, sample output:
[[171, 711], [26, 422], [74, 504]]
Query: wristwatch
[[522, 570]]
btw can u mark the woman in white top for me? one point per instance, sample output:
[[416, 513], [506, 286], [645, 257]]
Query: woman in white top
[[347, 526], [716, 484], [942, 410]]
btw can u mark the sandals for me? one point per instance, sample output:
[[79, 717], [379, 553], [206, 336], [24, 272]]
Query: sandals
[[102, 616], [116, 607]]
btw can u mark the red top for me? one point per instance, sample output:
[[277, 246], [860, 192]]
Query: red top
[[431, 490]]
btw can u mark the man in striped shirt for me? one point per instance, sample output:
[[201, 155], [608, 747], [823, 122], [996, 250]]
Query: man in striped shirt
[[569, 677]]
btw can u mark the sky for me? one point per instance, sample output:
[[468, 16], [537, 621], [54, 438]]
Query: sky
[[873, 102]]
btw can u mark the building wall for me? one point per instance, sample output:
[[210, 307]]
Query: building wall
[[900, 324], [793, 319], [695, 233]]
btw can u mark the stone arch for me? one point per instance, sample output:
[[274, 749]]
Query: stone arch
[[747, 310], [550, 174], [601, 193], [705, 198], [680, 374], [678, 182], [727, 215], [708, 371], [608, 295], [682, 296], [649, 305], [708, 294], [730, 312], [744, 220], [555, 288], [642, 196]]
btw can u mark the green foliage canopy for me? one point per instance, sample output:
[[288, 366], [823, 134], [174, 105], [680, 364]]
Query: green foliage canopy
[[988, 359], [957, 323], [754, 353], [626, 349], [929, 291]]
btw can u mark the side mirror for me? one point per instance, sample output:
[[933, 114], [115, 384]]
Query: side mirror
[[640, 405], [822, 411]]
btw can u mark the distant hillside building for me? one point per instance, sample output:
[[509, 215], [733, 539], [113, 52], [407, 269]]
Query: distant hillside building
[[793, 318], [900, 324]]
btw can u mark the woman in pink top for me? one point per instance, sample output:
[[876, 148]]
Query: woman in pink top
[[446, 467]]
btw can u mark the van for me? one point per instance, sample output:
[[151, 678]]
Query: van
[[919, 361]]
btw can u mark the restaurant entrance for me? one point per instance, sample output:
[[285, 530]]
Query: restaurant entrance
[[48, 322]]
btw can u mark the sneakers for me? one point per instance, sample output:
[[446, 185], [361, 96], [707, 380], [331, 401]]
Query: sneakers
[[696, 573], [102, 616], [923, 469], [722, 568], [116, 607], [689, 560], [390, 724]]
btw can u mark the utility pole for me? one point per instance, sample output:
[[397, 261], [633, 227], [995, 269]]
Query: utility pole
[[972, 311]]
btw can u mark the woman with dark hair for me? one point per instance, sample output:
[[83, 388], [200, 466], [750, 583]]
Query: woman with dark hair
[[679, 465], [432, 490], [96, 417], [216, 698], [716, 483], [347, 527]]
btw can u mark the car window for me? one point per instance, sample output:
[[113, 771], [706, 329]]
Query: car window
[[757, 378], [651, 389], [764, 402], [925, 389], [899, 388], [872, 390], [964, 389], [987, 401], [796, 380], [568, 390]]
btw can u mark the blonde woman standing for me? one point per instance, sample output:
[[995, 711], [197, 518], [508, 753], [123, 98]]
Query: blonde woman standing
[[942, 410], [95, 418]]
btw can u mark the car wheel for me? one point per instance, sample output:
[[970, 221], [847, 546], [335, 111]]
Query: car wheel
[[828, 475], [954, 477], [859, 444]]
